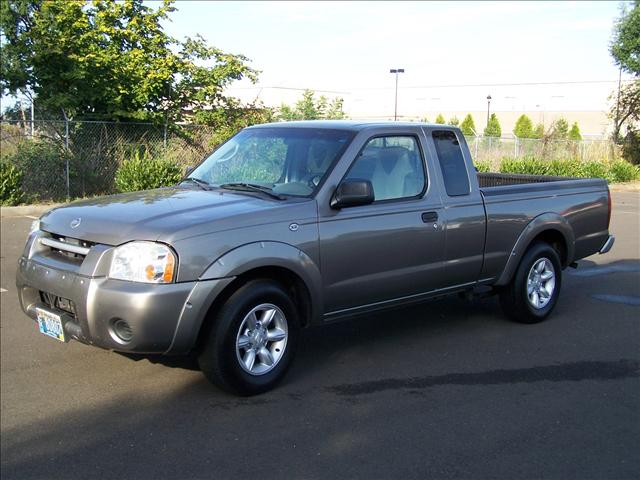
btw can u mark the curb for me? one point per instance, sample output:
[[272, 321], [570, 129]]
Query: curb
[[625, 187], [26, 210]]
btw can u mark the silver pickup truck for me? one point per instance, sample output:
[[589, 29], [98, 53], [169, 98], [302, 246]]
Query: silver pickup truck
[[294, 224]]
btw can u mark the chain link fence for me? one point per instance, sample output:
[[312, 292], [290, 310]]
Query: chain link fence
[[492, 150], [60, 160], [68, 159]]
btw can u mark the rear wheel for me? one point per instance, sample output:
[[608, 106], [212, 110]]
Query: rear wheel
[[533, 292], [252, 342]]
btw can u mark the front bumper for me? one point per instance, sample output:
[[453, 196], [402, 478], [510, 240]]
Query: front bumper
[[163, 318]]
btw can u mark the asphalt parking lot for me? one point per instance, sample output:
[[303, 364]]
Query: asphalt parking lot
[[449, 389]]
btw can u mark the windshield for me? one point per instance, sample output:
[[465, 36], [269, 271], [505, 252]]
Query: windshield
[[287, 161]]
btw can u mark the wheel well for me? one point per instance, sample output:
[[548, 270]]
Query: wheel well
[[557, 242], [291, 282]]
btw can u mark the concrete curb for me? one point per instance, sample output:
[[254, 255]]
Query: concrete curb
[[26, 210], [625, 187]]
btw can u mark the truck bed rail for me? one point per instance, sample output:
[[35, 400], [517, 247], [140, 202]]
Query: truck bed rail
[[501, 179]]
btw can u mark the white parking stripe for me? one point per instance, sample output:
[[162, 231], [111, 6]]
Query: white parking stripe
[[2, 290], [33, 218]]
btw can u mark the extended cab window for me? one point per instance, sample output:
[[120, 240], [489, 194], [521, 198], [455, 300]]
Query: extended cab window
[[393, 165], [454, 170]]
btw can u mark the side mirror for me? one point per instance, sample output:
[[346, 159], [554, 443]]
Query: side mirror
[[352, 193]]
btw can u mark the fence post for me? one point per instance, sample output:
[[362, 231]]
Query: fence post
[[476, 147], [66, 144], [164, 140], [515, 148]]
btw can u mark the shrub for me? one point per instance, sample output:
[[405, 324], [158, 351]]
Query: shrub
[[618, 171], [142, 172], [622, 171], [468, 126], [10, 185], [43, 166], [631, 147], [594, 170], [525, 166], [483, 167]]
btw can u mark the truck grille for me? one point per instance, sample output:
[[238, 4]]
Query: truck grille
[[73, 248], [59, 303]]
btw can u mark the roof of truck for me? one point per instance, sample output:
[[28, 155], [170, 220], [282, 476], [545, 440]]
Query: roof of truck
[[346, 124]]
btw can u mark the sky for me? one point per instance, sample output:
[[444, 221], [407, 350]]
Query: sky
[[347, 48]]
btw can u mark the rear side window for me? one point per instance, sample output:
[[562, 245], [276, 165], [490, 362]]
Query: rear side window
[[454, 170]]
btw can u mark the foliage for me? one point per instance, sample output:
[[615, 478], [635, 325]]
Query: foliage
[[10, 184], [493, 127], [110, 59], [454, 121], [523, 127], [574, 133], [631, 147], [625, 44], [43, 165], [622, 171], [440, 119], [425, 120], [617, 171], [483, 167], [538, 131], [142, 172], [468, 126], [308, 108], [559, 129], [625, 110]]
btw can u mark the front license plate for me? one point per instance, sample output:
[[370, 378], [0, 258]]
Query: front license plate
[[50, 324]]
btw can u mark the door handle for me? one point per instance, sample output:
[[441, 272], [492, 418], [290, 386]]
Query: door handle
[[429, 217]]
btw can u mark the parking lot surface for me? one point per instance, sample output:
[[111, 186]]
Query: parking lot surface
[[449, 389]]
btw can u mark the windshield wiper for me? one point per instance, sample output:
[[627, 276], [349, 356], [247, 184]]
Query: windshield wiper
[[252, 187], [201, 183]]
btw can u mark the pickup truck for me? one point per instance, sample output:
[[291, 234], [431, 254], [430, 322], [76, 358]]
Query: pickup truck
[[288, 225]]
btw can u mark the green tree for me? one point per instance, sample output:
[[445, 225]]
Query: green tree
[[468, 126], [625, 109], [454, 121], [110, 59], [440, 119], [308, 108], [625, 44], [538, 132], [523, 127], [560, 129], [493, 128], [574, 133]]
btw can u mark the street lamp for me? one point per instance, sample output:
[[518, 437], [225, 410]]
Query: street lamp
[[488, 104], [395, 110]]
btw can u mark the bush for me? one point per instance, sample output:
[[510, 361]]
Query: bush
[[617, 171], [525, 166], [43, 166], [10, 185], [141, 172], [622, 171], [483, 167], [631, 147]]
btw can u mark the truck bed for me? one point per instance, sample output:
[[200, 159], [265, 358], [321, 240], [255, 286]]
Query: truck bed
[[500, 179]]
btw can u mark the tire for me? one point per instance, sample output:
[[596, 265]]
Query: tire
[[226, 359], [518, 299]]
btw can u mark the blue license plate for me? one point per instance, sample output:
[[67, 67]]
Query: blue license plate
[[50, 324]]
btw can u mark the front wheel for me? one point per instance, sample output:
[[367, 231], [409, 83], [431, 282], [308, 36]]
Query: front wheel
[[533, 292], [251, 344]]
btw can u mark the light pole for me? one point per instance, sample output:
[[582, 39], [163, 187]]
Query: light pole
[[395, 110], [488, 105]]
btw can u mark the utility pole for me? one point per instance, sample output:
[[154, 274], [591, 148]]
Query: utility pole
[[395, 111], [488, 106]]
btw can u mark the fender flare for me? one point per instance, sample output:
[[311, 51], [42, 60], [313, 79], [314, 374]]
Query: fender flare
[[541, 223], [271, 254]]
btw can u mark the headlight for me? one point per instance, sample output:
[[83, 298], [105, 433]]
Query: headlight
[[35, 226], [146, 262]]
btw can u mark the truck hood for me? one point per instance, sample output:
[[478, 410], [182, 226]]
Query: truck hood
[[167, 214]]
